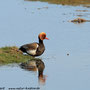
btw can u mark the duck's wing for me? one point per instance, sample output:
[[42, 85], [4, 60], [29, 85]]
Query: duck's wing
[[30, 48]]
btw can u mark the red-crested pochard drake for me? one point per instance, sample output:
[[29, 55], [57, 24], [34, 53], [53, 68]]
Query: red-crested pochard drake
[[35, 49]]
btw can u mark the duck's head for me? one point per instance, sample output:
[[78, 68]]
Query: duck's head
[[42, 36]]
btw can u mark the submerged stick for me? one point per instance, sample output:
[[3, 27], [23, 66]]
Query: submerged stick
[[79, 20]]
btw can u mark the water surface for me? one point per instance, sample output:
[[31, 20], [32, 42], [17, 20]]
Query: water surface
[[22, 21]]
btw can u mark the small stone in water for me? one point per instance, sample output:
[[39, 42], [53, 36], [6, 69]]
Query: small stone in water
[[67, 54]]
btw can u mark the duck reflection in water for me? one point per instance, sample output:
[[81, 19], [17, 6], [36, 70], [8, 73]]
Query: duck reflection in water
[[35, 65]]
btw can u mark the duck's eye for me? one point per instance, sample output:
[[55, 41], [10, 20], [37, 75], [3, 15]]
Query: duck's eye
[[43, 36]]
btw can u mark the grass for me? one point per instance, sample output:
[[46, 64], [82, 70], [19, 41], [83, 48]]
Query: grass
[[12, 55]]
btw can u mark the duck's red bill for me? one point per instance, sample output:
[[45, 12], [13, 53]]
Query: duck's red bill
[[46, 38]]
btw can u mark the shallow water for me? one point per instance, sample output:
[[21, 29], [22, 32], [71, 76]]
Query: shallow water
[[22, 21]]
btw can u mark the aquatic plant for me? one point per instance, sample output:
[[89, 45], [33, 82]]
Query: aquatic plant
[[65, 2], [79, 20]]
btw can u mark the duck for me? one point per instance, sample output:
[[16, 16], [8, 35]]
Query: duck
[[35, 49]]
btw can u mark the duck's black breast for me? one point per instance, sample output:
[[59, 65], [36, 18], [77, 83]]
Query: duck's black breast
[[40, 49]]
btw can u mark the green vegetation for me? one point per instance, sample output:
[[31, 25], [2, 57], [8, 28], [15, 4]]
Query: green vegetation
[[65, 2], [12, 55]]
